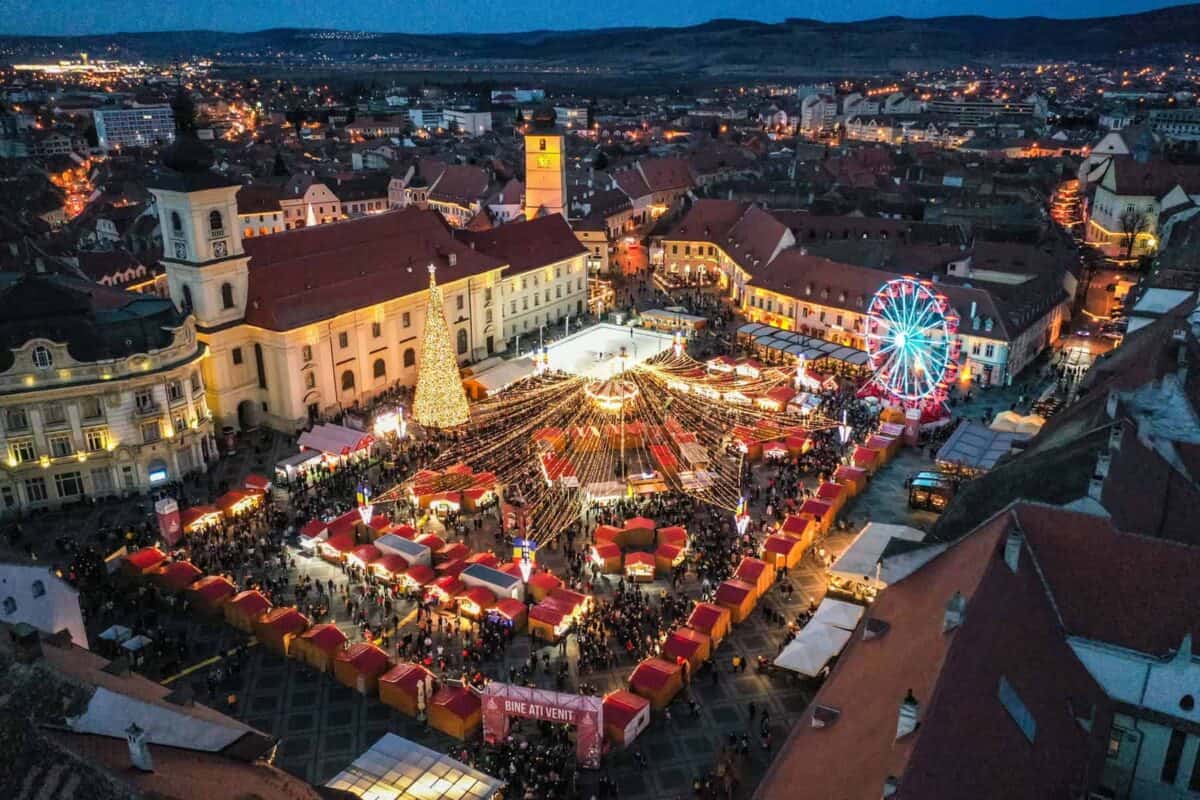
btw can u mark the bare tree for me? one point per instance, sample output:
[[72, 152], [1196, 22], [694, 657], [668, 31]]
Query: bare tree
[[1133, 223]]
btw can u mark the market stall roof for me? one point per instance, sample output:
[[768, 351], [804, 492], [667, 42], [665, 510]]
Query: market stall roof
[[450, 585], [336, 440], [434, 543], [607, 533], [287, 619], [480, 596], [146, 558], [366, 553], [646, 559], [683, 642], [235, 496], [817, 508], [830, 491], [797, 344], [706, 614], [314, 529], [547, 580], [256, 481], [420, 574], [210, 587], [396, 768], [343, 542], [750, 569], [486, 559], [620, 707], [346, 523], [502, 375], [365, 658], [460, 701], [653, 673], [838, 613], [812, 648], [251, 602], [510, 607], [405, 674], [179, 574], [733, 591], [548, 613], [326, 637], [190, 516], [976, 447], [674, 534], [640, 523], [781, 545], [870, 545], [406, 548], [391, 564], [492, 576]]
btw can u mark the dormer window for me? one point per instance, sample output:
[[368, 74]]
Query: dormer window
[[176, 222], [39, 588], [42, 359]]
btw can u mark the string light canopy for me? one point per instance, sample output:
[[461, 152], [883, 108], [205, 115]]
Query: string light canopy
[[441, 401]]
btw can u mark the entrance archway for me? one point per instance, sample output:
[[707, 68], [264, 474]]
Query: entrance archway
[[501, 701], [248, 416]]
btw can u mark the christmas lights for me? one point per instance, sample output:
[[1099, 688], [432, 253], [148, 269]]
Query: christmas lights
[[441, 401]]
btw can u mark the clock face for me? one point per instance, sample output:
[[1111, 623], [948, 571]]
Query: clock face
[[180, 250], [544, 162], [220, 249]]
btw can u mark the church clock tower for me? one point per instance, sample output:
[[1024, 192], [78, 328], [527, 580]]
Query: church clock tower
[[545, 166]]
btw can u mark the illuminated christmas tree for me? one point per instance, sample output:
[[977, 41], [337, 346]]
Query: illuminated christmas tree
[[441, 401]]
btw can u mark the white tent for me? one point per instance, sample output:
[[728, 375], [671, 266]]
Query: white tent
[[1012, 422], [838, 614], [858, 562], [810, 651], [333, 439]]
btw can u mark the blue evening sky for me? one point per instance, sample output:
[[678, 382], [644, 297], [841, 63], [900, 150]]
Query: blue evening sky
[[58, 17]]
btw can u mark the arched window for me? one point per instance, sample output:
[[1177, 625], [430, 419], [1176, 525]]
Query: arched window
[[215, 223], [348, 381], [187, 298], [380, 368], [226, 295], [42, 359], [462, 341], [410, 357], [176, 222], [310, 380], [39, 588]]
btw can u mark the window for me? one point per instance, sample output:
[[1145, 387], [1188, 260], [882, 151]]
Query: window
[[376, 330], [237, 355], [976, 349], [176, 222], [178, 423], [188, 305], [406, 320], [1115, 737], [306, 353], [42, 358], [226, 295], [127, 477], [144, 400], [16, 420], [22, 452], [513, 307], [10, 605], [379, 370], [151, 432], [39, 588], [462, 342], [1017, 709], [348, 381], [524, 303], [35, 489], [102, 482], [60, 446], [95, 439], [343, 340], [89, 408], [174, 391], [989, 351], [1170, 767], [310, 380], [458, 302], [215, 224], [54, 414], [410, 357], [68, 484]]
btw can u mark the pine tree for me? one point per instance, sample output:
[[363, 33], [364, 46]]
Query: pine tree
[[441, 401]]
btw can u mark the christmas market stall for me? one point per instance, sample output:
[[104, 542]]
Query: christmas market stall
[[176, 576], [401, 687], [639, 532], [657, 680], [412, 552], [318, 646], [548, 622], [244, 608], [889, 446], [607, 556], [455, 488], [509, 613], [639, 566], [542, 584], [853, 478], [625, 716], [820, 512], [143, 561], [336, 548], [364, 556], [199, 517], [475, 602], [782, 551], [336, 444], [236, 502], [456, 711], [757, 573], [867, 459], [209, 594], [667, 557], [312, 534], [445, 590], [390, 567], [417, 576], [500, 584], [359, 666], [738, 597], [833, 493], [685, 644], [710, 619], [278, 627]]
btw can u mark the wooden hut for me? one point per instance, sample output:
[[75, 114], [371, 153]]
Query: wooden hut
[[244, 608], [607, 555], [738, 597], [820, 512], [667, 557], [398, 687], [757, 573], [390, 567], [278, 627], [639, 532], [143, 561], [511, 613], [853, 478], [547, 622], [456, 711], [608, 533], [359, 667], [710, 619], [318, 646], [802, 529], [685, 644], [475, 602], [835, 494], [673, 534], [639, 566], [209, 594], [418, 575], [176, 576], [656, 680], [866, 458], [889, 446], [782, 551], [364, 555], [197, 517], [625, 716]]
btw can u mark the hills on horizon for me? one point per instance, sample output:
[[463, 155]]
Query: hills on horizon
[[715, 48]]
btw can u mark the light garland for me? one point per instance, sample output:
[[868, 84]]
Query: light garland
[[441, 401]]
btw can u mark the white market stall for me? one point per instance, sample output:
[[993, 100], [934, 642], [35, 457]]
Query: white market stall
[[410, 551], [813, 648], [859, 571], [498, 583]]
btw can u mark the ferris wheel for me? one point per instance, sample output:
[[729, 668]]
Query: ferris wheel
[[911, 341]]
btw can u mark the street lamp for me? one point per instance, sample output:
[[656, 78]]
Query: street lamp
[[844, 431]]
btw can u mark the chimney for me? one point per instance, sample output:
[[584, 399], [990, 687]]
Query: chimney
[[909, 719], [1096, 488], [1103, 462], [890, 785], [956, 609], [452, 259], [27, 643], [1012, 548], [1110, 405], [139, 750], [1114, 438]]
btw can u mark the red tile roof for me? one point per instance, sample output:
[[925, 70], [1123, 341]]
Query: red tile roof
[[527, 245], [306, 275], [461, 184]]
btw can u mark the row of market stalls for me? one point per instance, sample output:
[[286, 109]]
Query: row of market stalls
[[640, 550], [777, 345], [325, 446]]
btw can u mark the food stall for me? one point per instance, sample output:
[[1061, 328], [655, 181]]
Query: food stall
[[364, 555], [888, 445], [243, 609], [688, 645], [820, 512], [625, 716], [318, 646], [757, 573], [776, 450], [667, 557], [802, 529], [853, 478], [475, 602], [210, 593], [456, 711], [931, 491], [862, 570], [418, 576], [710, 619], [609, 534], [833, 493], [445, 590], [412, 552], [486, 559], [674, 534], [199, 517], [607, 556], [542, 584], [312, 534], [639, 566], [639, 532], [398, 687], [359, 666], [548, 622], [287, 470], [143, 561], [336, 547], [501, 584], [657, 680], [335, 443], [738, 597], [240, 501], [866, 458], [389, 567], [510, 613], [278, 627], [782, 551], [176, 576], [451, 552]]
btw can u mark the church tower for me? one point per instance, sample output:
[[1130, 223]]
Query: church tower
[[545, 166], [202, 241]]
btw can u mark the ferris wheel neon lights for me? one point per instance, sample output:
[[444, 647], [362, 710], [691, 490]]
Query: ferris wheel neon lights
[[911, 341]]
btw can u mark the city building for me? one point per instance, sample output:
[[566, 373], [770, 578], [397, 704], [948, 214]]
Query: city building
[[143, 126], [307, 201], [818, 114], [259, 210], [1132, 198], [467, 122], [33, 594], [545, 166], [1180, 124], [972, 111], [101, 393]]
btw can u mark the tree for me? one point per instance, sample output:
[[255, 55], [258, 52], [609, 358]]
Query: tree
[[1134, 222], [441, 401]]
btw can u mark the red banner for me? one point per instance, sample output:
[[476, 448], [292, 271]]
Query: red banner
[[167, 511], [502, 700]]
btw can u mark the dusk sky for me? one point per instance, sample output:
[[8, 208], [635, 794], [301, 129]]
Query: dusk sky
[[444, 16]]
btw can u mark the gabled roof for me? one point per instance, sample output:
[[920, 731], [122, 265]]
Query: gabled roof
[[460, 183], [527, 245]]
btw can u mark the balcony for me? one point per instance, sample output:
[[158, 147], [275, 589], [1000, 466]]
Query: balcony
[[151, 409]]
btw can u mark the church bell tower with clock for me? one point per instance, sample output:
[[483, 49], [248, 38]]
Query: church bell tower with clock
[[545, 166]]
